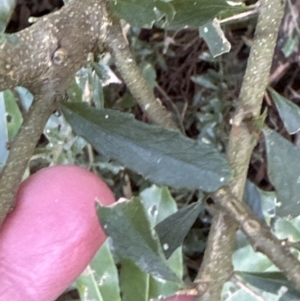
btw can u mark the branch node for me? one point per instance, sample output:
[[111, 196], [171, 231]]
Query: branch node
[[252, 227]]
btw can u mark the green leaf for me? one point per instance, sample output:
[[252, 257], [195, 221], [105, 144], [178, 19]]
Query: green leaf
[[159, 204], [204, 81], [291, 45], [135, 284], [174, 228], [174, 14], [245, 295], [133, 238], [14, 116], [138, 286], [98, 97], [162, 156], [195, 13], [252, 199], [100, 280], [3, 131], [101, 71], [127, 101], [247, 260], [268, 204], [272, 282], [286, 229], [74, 92], [149, 74], [25, 97], [214, 37], [6, 9], [10, 122], [283, 173], [87, 286], [165, 13], [288, 111], [139, 13]]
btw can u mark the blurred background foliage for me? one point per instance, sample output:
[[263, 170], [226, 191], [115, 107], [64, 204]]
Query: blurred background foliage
[[199, 85]]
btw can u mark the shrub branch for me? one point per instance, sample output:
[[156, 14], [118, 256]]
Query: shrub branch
[[242, 140], [134, 79], [44, 58]]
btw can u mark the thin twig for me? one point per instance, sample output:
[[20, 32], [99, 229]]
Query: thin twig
[[134, 79], [22, 149], [241, 144], [247, 288], [44, 58], [261, 236]]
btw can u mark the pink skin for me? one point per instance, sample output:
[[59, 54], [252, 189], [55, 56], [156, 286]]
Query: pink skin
[[180, 298], [52, 234]]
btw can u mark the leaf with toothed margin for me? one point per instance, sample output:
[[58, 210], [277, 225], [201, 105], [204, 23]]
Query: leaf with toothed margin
[[133, 237], [283, 173], [175, 14], [163, 156], [288, 111], [174, 228]]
